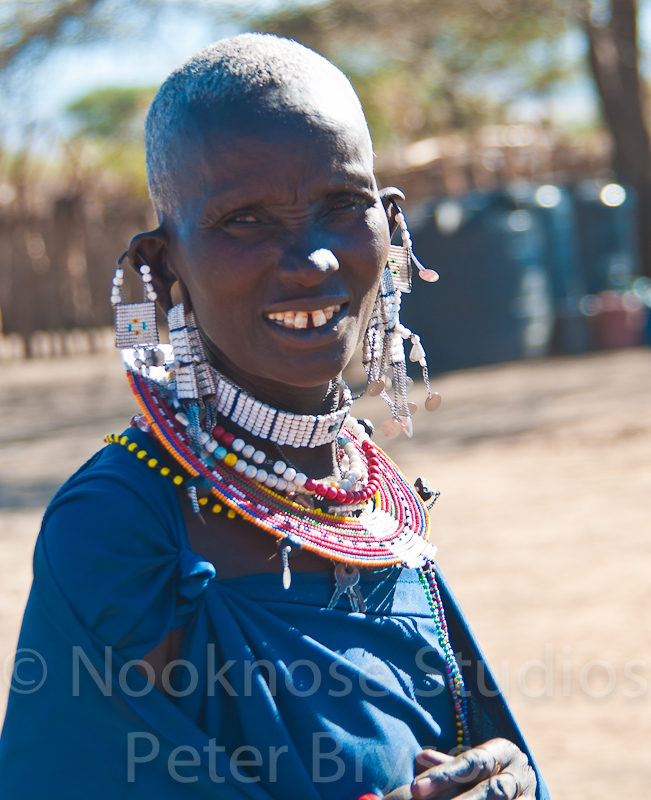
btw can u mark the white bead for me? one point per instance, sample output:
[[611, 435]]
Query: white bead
[[280, 467], [248, 451], [211, 446], [152, 296], [281, 485], [259, 457], [203, 437], [358, 429], [240, 466], [144, 270], [289, 474], [238, 445], [115, 300], [271, 481], [300, 479], [250, 472], [261, 475], [182, 419]]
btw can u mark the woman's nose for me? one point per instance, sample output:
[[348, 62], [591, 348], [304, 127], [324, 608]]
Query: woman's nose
[[309, 269]]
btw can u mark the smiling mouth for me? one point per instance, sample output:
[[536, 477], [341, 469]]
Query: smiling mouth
[[306, 320]]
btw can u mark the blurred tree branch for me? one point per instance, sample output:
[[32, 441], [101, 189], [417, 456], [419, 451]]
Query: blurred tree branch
[[22, 29]]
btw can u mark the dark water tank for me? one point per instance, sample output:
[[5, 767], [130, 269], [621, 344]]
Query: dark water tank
[[554, 208], [493, 302], [607, 235]]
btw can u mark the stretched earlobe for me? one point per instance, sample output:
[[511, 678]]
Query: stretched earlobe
[[390, 196], [152, 248]]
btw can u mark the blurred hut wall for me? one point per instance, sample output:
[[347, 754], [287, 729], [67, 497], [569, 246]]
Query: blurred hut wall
[[57, 257]]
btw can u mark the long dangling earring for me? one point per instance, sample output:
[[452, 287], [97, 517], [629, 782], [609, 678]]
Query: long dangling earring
[[195, 380], [135, 323], [383, 347]]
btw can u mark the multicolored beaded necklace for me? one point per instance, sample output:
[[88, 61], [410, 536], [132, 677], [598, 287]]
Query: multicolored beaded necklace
[[391, 527]]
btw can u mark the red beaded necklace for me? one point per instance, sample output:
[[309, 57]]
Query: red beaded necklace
[[395, 531]]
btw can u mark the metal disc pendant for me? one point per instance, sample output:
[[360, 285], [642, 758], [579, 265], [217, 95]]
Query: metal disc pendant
[[391, 428], [429, 275], [433, 402], [376, 388], [407, 426]]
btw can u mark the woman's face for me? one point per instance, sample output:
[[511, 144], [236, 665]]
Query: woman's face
[[280, 225]]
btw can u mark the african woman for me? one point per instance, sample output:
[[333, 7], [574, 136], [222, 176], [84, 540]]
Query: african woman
[[236, 597]]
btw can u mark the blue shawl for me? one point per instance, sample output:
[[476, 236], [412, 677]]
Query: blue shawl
[[274, 695]]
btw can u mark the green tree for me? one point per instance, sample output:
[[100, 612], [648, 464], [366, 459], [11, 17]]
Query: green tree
[[424, 67], [109, 132]]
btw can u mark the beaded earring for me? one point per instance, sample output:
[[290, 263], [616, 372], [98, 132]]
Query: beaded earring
[[383, 348], [135, 323]]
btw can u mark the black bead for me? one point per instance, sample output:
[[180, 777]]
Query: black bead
[[424, 488], [366, 423]]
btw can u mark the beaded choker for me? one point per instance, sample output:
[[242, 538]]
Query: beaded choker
[[280, 427]]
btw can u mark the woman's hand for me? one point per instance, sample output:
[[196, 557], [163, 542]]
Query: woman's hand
[[495, 770]]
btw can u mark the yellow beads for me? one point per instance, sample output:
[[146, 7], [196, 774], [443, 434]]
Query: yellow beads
[[177, 480]]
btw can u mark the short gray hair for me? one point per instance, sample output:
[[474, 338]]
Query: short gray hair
[[252, 66]]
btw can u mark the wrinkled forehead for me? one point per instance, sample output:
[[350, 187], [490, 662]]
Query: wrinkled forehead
[[304, 113]]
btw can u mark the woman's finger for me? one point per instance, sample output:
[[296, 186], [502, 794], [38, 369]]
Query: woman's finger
[[427, 759], [499, 787], [464, 771]]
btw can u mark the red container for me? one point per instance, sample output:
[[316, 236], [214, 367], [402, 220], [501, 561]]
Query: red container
[[618, 320]]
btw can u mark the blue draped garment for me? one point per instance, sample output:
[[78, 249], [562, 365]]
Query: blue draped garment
[[274, 696]]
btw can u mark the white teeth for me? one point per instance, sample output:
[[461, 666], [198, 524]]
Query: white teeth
[[299, 319]]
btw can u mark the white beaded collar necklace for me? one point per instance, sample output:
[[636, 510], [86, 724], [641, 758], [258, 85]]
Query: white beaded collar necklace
[[280, 427]]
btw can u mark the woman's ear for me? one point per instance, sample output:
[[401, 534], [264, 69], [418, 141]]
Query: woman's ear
[[152, 248], [390, 196]]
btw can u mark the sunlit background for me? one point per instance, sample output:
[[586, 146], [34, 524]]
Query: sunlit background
[[519, 132]]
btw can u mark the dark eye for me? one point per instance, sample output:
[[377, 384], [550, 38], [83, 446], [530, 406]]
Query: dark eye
[[245, 219], [352, 202]]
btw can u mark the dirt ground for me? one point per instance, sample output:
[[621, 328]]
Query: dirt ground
[[542, 528]]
